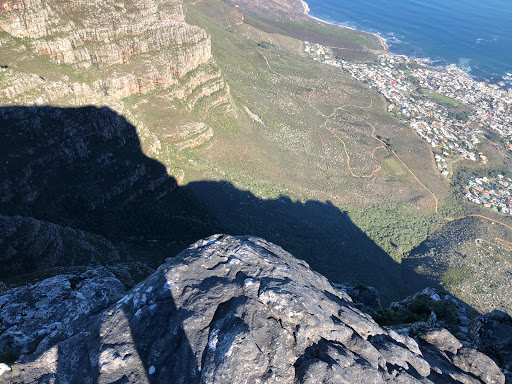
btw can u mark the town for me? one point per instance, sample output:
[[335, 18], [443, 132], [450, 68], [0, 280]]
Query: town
[[494, 193], [445, 106]]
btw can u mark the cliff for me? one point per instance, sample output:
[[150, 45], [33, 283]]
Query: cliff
[[30, 245], [130, 47], [71, 53], [226, 309], [76, 190]]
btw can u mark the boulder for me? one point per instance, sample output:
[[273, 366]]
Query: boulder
[[365, 298], [229, 310], [34, 318], [442, 340], [492, 334]]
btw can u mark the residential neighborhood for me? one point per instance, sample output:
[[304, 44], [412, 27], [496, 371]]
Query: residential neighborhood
[[493, 193], [445, 106]]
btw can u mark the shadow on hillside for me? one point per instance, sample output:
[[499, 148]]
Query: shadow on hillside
[[83, 168], [314, 231]]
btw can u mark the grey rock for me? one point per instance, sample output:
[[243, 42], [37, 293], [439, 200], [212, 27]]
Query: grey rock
[[492, 334], [365, 298], [130, 273], [500, 316], [472, 361], [467, 359], [442, 340], [33, 318], [473, 366], [508, 377], [30, 245], [230, 310], [102, 34]]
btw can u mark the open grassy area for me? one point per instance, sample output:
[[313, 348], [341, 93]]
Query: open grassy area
[[443, 99], [394, 166]]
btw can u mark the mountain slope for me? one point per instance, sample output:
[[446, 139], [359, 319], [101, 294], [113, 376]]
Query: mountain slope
[[222, 96], [225, 310]]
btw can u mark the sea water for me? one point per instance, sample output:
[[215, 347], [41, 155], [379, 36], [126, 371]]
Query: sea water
[[475, 35]]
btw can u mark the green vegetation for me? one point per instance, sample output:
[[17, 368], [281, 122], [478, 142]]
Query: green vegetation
[[453, 277], [419, 309], [455, 109], [394, 165], [443, 99], [396, 230], [462, 116]]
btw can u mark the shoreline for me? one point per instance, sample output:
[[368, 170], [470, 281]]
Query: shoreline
[[385, 46], [306, 11]]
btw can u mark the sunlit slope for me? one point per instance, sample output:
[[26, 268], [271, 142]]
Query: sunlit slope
[[309, 130]]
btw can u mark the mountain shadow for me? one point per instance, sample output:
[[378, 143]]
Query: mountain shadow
[[316, 232], [83, 168]]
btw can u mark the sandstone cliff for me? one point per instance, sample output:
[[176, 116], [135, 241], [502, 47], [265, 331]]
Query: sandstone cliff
[[226, 310], [139, 46], [71, 53]]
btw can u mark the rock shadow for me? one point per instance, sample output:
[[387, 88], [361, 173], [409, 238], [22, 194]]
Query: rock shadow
[[128, 342], [314, 231], [83, 168]]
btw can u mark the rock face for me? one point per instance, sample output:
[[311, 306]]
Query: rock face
[[365, 298], [30, 245], [492, 334], [98, 52], [59, 151], [227, 310], [35, 318], [83, 168]]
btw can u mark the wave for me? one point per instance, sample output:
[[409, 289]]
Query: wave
[[491, 40], [392, 38], [463, 64], [480, 36]]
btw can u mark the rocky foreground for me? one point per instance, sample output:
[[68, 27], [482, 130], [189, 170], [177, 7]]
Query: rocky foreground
[[226, 310]]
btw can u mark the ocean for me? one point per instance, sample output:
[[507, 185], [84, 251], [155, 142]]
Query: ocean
[[475, 35]]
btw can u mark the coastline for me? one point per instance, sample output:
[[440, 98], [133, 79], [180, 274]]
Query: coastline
[[506, 79], [306, 11]]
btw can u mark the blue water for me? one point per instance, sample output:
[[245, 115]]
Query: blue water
[[475, 35]]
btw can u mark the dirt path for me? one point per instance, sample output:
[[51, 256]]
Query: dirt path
[[326, 126], [499, 243], [266, 60]]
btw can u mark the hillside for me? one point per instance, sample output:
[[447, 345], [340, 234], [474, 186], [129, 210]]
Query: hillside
[[215, 121], [462, 259]]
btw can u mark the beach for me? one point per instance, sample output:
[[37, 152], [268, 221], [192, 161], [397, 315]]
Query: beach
[[306, 8]]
